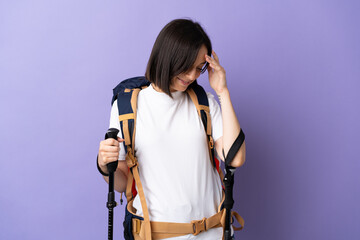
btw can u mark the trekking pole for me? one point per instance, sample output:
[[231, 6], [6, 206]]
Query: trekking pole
[[111, 133], [229, 182]]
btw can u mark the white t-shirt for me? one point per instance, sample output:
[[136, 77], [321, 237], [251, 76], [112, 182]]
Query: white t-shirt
[[179, 182]]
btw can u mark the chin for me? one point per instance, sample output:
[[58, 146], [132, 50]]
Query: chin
[[180, 85]]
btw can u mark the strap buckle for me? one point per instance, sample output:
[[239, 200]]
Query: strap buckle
[[136, 225], [199, 226], [211, 142], [131, 160]]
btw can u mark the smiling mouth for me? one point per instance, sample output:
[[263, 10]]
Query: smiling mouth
[[186, 83]]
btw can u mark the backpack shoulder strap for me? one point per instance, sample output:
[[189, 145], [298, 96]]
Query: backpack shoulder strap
[[126, 94], [200, 99]]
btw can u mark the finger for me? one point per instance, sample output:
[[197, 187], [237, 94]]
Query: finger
[[211, 61], [108, 148], [110, 157], [121, 139], [107, 160], [215, 56], [208, 58], [110, 154], [111, 141], [215, 66], [210, 70], [104, 158]]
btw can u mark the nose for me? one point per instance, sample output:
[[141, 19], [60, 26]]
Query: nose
[[192, 74]]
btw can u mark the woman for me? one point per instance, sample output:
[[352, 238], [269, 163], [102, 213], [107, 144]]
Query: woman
[[179, 182]]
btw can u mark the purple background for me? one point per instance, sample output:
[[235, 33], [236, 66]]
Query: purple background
[[293, 69]]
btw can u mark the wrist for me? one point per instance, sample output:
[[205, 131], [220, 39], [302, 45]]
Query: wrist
[[223, 93], [101, 169]]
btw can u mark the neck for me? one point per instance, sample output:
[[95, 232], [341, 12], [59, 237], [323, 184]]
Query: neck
[[156, 88]]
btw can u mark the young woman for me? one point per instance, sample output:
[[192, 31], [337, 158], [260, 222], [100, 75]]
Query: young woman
[[179, 182]]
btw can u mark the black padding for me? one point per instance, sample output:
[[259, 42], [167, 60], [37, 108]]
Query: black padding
[[235, 148], [122, 136], [131, 130]]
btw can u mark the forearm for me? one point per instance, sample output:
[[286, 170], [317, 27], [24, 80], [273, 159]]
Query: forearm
[[120, 177], [231, 128], [120, 181]]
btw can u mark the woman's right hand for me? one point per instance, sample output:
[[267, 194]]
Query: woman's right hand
[[109, 151]]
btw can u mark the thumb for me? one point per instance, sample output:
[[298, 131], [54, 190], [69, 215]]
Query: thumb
[[120, 139]]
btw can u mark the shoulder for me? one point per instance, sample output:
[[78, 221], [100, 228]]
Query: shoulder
[[114, 110], [210, 96], [212, 101]]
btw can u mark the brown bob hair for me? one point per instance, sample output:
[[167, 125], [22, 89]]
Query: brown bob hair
[[175, 51]]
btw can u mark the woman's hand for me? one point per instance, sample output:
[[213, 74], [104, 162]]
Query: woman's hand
[[109, 151], [217, 74]]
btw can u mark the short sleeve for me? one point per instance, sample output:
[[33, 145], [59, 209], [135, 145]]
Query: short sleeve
[[216, 117], [114, 123]]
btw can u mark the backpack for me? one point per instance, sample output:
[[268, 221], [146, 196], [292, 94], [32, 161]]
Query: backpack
[[140, 227]]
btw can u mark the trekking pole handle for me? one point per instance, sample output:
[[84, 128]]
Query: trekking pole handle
[[112, 133]]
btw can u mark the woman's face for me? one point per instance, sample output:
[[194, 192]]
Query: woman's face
[[183, 80]]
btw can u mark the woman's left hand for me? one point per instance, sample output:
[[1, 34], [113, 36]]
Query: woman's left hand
[[217, 74]]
